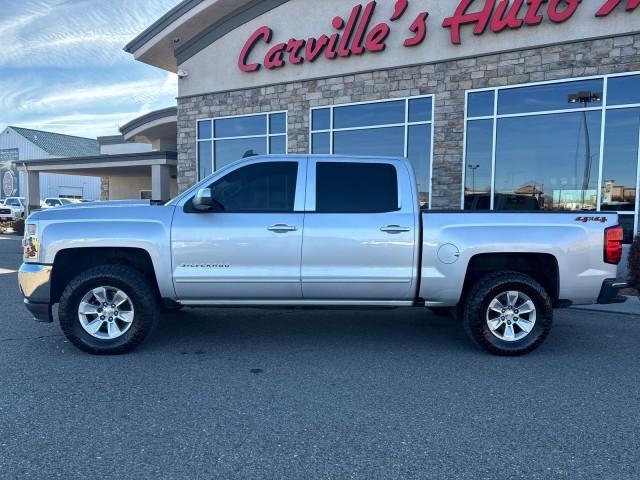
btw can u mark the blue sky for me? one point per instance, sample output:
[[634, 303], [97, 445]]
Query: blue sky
[[62, 67]]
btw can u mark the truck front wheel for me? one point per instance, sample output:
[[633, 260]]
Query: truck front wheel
[[108, 310], [508, 313]]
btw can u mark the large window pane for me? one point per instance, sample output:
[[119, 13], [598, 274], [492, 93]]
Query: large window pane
[[368, 114], [420, 110], [548, 162], [386, 142], [320, 143], [321, 119], [204, 130], [356, 187], [205, 159], [480, 104], [278, 145], [553, 96], [262, 187], [623, 90], [228, 151], [619, 170], [420, 157], [477, 187], [241, 126], [277, 123]]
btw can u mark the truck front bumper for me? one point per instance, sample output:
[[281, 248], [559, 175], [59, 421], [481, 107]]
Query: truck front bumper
[[610, 292], [35, 284]]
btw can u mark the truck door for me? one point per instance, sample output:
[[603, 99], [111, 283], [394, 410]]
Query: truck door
[[250, 248], [360, 236]]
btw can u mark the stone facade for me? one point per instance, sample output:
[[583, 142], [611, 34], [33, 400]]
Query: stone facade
[[447, 81]]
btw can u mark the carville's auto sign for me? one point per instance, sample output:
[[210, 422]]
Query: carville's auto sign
[[355, 34]]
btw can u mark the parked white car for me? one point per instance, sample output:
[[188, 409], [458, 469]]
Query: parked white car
[[55, 202], [16, 205]]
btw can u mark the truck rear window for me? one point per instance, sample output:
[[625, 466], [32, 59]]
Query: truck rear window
[[345, 187]]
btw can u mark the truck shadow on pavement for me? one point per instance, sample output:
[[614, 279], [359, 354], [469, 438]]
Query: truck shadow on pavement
[[302, 328]]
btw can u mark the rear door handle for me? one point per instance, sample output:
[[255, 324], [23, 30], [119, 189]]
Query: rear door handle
[[395, 229], [282, 228]]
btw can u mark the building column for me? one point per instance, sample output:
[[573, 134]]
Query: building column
[[32, 182], [160, 183]]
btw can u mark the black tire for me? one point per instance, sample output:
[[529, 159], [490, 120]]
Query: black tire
[[133, 284], [476, 305]]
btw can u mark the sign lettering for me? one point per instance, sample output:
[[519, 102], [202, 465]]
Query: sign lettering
[[355, 35]]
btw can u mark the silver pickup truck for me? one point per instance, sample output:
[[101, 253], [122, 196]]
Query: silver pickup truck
[[312, 231]]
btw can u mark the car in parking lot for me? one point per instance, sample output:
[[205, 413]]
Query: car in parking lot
[[12, 208], [54, 202]]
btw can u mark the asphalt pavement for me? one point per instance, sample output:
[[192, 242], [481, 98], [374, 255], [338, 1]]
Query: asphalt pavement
[[298, 394]]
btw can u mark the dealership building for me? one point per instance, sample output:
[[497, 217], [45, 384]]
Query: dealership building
[[499, 105]]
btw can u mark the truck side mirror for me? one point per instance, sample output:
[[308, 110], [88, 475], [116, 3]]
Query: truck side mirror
[[204, 201]]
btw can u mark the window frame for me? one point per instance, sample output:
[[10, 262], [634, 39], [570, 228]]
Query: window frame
[[267, 136], [406, 125], [604, 108]]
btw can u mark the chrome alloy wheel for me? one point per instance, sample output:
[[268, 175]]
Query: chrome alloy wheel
[[511, 316], [106, 313]]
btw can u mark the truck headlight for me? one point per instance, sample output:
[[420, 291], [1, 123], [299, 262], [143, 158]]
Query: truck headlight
[[30, 242]]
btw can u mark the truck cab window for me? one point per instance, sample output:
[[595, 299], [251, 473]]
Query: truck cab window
[[343, 187], [261, 187]]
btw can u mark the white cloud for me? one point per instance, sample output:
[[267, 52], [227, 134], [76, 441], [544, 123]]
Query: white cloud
[[59, 32], [62, 67], [138, 92]]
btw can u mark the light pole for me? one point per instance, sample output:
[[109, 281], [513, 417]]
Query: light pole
[[585, 98], [473, 169]]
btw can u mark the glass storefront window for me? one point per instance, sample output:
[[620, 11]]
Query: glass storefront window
[[228, 151], [395, 128], [620, 162], [321, 119], [624, 90], [477, 185], [385, 142], [205, 152], [480, 104], [543, 151], [548, 162], [369, 114], [320, 143], [547, 97], [240, 126], [222, 141]]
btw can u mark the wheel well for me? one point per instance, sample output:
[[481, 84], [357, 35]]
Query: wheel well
[[540, 266], [69, 263]]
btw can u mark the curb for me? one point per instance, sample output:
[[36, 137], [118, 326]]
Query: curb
[[630, 307]]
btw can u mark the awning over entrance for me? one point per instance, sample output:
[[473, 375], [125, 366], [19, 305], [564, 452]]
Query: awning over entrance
[[161, 166]]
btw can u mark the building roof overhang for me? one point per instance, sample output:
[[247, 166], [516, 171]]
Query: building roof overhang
[[119, 165], [161, 124], [191, 26]]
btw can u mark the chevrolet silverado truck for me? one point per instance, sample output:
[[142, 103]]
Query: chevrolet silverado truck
[[312, 231]]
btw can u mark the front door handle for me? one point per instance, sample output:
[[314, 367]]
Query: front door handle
[[282, 228], [395, 229]]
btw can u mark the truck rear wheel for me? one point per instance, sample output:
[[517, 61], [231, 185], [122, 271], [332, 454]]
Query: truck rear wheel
[[108, 310], [508, 313]]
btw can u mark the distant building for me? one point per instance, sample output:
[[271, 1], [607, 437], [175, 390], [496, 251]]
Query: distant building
[[138, 164], [22, 144]]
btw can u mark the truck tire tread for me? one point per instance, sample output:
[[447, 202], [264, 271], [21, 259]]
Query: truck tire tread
[[474, 311], [146, 306]]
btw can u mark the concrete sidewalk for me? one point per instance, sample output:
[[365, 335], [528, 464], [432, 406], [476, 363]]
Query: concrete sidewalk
[[630, 307]]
